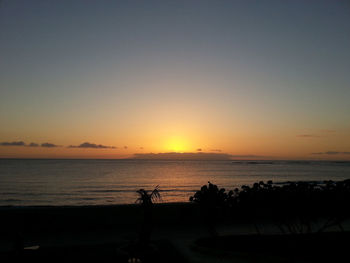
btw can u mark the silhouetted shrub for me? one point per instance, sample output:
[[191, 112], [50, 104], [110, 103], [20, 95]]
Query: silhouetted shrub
[[295, 207], [210, 196], [212, 201]]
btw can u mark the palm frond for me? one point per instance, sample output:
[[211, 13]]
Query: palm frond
[[155, 195], [148, 198]]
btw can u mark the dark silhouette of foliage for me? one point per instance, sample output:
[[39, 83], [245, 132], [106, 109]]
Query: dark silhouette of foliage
[[212, 200], [210, 196], [146, 200], [295, 207]]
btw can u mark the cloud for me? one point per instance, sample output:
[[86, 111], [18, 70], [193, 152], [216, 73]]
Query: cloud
[[19, 143], [324, 133], [48, 145], [183, 156], [199, 149], [308, 136], [331, 153], [215, 150], [192, 156], [92, 145], [328, 131], [32, 144], [246, 156], [125, 147]]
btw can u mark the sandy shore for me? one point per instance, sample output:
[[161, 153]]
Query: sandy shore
[[180, 224], [60, 218], [76, 224]]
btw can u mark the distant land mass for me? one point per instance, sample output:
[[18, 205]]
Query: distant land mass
[[183, 156]]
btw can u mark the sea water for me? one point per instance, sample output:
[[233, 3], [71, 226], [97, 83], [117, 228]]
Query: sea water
[[25, 182]]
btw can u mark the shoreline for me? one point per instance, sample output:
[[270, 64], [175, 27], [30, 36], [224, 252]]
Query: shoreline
[[6, 207], [103, 228], [73, 218]]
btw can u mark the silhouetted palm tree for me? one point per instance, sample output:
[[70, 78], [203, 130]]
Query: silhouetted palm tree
[[146, 200]]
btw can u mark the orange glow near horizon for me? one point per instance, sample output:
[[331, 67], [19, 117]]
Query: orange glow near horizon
[[252, 144]]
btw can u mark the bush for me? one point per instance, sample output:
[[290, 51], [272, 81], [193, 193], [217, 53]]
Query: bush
[[295, 207]]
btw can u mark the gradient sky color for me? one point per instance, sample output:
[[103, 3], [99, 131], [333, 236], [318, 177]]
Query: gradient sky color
[[265, 78]]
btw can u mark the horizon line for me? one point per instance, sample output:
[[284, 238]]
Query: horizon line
[[175, 159]]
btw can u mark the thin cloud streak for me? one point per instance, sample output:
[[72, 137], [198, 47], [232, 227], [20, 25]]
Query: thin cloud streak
[[18, 143], [32, 144], [183, 156], [331, 153], [308, 136], [191, 156], [328, 131], [49, 145], [92, 146], [247, 156]]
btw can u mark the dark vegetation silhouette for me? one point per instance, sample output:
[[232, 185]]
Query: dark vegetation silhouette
[[212, 201], [295, 207], [310, 217], [143, 250], [146, 200]]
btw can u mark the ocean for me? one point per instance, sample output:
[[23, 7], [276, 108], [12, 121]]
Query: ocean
[[29, 182]]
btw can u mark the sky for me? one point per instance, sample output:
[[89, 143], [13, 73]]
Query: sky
[[108, 79]]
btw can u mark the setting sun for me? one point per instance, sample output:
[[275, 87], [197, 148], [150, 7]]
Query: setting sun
[[177, 144]]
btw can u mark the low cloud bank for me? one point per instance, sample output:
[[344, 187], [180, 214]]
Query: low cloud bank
[[246, 156], [19, 143], [32, 144], [331, 153], [189, 156], [49, 145], [92, 145]]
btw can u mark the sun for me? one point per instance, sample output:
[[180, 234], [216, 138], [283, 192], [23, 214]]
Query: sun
[[177, 144]]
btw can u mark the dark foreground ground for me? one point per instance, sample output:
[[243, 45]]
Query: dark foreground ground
[[179, 234]]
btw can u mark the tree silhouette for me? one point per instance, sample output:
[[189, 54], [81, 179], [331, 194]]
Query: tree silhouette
[[146, 200], [212, 201], [295, 207]]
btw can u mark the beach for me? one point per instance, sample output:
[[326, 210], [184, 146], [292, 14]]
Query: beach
[[92, 228]]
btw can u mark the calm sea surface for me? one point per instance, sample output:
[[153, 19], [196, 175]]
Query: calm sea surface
[[101, 182]]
